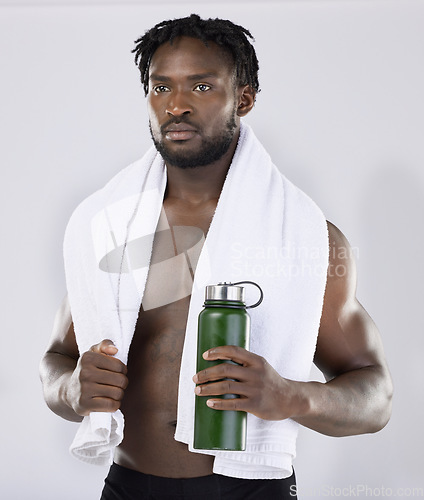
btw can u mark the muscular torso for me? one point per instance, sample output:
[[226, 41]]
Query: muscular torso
[[150, 401]]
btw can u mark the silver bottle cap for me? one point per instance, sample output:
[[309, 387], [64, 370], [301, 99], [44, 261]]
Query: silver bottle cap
[[224, 291]]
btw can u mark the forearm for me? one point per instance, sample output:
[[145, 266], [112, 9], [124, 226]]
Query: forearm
[[55, 373], [356, 402]]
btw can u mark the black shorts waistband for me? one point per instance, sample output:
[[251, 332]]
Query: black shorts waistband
[[127, 484], [139, 481]]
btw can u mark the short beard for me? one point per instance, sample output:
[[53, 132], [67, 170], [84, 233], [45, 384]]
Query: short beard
[[211, 150]]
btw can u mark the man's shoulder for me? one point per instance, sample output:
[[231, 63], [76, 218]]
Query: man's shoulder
[[122, 184]]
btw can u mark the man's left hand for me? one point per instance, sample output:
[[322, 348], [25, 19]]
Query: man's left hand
[[263, 392]]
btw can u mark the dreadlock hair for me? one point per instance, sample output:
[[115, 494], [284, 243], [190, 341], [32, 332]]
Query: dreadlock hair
[[231, 37]]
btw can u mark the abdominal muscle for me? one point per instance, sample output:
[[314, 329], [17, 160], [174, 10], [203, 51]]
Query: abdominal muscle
[[150, 400]]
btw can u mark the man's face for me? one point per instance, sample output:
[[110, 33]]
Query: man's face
[[192, 102]]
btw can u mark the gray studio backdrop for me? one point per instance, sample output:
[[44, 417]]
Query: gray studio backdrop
[[341, 112]]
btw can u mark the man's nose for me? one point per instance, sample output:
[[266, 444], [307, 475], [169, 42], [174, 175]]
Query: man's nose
[[179, 104]]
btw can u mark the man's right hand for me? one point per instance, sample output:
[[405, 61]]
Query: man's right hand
[[98, 381]]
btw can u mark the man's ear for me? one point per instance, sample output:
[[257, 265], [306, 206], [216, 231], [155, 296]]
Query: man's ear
[[246, 100]]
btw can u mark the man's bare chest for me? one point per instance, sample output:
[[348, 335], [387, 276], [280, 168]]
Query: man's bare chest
[[177, 246]]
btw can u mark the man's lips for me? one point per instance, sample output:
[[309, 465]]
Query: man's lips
[[180, 132]]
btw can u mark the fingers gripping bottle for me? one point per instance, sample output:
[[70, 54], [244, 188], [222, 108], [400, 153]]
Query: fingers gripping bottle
[[223, 321]]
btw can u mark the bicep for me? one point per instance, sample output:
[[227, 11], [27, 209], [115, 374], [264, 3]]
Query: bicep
[[62, 340], [348, 339]]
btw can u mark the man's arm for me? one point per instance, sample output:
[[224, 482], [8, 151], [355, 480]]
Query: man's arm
[[357, 396], [76, 385]]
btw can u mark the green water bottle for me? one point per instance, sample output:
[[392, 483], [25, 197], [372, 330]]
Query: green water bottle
[[223, 321]]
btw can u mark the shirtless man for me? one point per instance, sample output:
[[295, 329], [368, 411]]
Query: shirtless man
[[197, 82]]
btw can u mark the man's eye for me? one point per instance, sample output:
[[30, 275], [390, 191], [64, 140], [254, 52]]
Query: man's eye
[[160, 88], [202, 87]]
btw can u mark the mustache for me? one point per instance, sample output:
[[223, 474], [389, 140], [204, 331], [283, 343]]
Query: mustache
[[176, 121]]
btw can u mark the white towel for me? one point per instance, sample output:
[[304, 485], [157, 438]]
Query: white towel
[[264, 230]]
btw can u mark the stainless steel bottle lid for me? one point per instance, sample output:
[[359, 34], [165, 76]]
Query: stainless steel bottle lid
[[224, 291]]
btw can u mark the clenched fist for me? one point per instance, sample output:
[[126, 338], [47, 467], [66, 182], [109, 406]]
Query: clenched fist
[[98, 381]]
